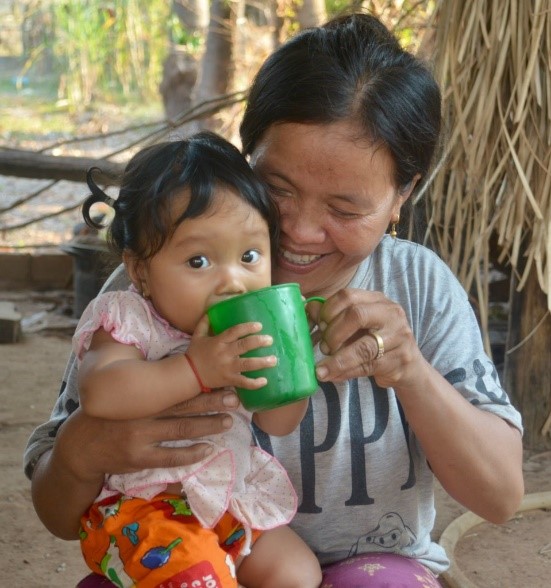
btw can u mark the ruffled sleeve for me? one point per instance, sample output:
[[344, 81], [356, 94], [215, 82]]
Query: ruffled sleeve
[[124, 315]]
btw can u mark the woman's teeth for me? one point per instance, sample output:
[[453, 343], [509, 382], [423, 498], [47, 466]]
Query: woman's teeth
[[298, 259]]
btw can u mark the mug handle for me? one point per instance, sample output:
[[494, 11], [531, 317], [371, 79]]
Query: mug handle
[[315, 299]]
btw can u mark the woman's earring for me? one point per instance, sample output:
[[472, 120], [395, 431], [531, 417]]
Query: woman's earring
[[393, 232], [145, 291]]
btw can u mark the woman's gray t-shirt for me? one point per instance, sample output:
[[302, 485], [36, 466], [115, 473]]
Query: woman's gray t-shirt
[[361, 476]]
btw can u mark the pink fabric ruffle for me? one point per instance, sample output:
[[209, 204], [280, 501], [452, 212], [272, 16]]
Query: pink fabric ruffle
[[130, 320]]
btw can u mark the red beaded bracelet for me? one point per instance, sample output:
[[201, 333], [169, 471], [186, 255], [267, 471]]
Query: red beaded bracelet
[[194, 370]]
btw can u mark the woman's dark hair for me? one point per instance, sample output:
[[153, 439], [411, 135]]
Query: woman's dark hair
[[157, 174], [352, 68]]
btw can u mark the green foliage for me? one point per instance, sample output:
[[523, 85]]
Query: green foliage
[[180, 35], [109, 49], [406, 18], [334, 7]]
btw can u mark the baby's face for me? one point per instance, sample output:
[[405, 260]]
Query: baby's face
[[224, 252]]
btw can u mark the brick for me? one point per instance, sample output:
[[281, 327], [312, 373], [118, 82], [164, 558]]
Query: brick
[[10, 323], [51, 271], [15, 270], [24, 271]]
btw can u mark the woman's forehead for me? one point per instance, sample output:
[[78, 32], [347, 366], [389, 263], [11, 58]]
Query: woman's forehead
[[327, 153]]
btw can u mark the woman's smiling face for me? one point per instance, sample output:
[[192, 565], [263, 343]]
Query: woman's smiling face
[[336, 197]]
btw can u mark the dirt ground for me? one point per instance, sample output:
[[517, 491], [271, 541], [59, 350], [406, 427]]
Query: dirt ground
[[514, 555]]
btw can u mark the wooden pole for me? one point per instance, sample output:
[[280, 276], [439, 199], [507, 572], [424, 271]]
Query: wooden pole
[[27, 164], [527, 375]]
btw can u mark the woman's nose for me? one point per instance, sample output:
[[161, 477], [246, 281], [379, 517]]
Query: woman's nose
[[301, 225]]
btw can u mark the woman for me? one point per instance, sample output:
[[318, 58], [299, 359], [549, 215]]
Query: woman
[[342, 125]]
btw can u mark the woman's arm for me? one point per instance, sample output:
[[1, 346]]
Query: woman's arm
[[68, 477], [476, 455], [283, 420]]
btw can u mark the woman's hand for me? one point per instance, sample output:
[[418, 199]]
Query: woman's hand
[[68, 478], [138, 442], [345, 321]]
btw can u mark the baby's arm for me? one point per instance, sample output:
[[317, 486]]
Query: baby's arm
[[117, 382], [283, 420]]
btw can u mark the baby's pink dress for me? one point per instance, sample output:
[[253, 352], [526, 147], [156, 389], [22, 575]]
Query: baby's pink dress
[[237, 477]]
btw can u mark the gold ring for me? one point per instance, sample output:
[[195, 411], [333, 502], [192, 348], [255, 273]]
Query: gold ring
[[380, 343]]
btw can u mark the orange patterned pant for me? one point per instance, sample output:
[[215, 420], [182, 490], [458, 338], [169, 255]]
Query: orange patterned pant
[[158, 543]]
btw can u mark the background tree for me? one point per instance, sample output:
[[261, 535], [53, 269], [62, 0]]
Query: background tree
[[187, 27], [216, 70], [311, 13]]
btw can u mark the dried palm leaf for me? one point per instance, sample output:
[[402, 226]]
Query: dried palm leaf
[[493, 61]]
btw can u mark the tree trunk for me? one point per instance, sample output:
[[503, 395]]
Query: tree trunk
[[37, 36], [276, 21], [311, 13], [528, 368], [179, 78], [193, 14], [180, 66], [216, 71]]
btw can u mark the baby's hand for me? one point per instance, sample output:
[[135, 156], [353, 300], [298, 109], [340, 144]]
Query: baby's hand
[[218, 357]]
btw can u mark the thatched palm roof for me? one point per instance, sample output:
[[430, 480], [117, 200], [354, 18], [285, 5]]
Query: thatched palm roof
[[493, 61]]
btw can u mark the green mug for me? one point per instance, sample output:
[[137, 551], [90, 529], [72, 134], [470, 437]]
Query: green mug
[[281, 310]]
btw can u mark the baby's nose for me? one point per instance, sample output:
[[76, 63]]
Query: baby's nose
[[231, 283]]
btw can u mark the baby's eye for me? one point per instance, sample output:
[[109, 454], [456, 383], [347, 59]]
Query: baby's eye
[[251, 256], [198, 262]]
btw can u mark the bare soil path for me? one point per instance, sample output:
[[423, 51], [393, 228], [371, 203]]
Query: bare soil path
[[515, 555]]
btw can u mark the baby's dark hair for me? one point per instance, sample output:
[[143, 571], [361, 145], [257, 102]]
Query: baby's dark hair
[[157, 174]]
